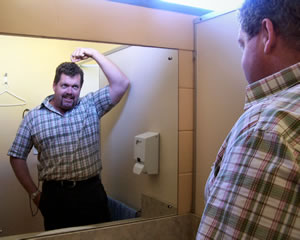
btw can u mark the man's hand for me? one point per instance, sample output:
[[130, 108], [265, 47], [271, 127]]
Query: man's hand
[[37, 199], [82, 54]]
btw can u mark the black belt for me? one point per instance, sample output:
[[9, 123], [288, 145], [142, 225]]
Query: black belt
[[70, 183]]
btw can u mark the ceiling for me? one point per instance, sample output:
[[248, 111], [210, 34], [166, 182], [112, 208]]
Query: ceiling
[[157, 4]]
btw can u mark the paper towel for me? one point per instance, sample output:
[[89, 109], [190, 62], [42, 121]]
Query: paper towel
[[138, 168]]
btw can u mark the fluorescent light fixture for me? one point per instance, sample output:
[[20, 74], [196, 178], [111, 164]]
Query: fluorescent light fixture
[[215, 5]]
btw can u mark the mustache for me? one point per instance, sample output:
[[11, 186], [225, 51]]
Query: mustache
[[67, 95]]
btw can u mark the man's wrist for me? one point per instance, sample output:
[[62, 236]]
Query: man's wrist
[[34, 195]]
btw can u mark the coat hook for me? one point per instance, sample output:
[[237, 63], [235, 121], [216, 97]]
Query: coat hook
[[24, 112]]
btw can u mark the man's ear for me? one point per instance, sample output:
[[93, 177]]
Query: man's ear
[[268, 35]]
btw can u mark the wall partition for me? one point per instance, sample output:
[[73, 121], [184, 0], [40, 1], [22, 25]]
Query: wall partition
[[220, 88]]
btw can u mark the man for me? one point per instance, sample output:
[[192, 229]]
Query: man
[[65, 131], [253, 191]]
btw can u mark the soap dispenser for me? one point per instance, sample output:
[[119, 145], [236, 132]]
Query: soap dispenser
[[146, 153]]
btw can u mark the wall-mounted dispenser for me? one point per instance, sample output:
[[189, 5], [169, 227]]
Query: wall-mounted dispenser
[[146, 153]]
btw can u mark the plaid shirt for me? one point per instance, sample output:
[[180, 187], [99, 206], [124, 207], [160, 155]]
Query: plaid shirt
[[68, 144], [253, 191]]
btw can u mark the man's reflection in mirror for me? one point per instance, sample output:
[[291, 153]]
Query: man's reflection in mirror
[[65, 131]]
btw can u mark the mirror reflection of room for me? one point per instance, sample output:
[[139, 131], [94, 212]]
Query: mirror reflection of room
[[141, 110]]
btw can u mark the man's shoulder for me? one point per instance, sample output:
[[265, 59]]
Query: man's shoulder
[[278, 114], [34, 113], [283, 107], [281, 114]]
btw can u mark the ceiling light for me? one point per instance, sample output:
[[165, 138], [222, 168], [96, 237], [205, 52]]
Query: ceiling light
[[215, 5]]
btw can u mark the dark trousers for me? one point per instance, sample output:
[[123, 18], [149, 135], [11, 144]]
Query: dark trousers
[[65, 204]]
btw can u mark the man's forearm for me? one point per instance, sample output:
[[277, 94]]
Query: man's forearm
[[22, 173], [118, 82]]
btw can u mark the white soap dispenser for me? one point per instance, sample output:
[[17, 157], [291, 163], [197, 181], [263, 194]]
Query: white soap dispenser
[[146, 153]]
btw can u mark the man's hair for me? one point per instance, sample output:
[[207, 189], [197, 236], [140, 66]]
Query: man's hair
[[70, 69], [284, 14]]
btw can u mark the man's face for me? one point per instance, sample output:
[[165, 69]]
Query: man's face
[[252, 59], [66, 92]]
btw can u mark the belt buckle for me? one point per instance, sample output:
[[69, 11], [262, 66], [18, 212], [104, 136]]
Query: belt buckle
[[63, 184]]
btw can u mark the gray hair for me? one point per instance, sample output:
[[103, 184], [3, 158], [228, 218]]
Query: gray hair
[[284, 14]]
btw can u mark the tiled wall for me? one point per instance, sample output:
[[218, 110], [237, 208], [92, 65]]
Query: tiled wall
[[186, 131]]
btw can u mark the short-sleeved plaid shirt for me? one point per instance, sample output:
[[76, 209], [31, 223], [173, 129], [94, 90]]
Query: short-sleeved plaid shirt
[[68, 144], [253, 191]]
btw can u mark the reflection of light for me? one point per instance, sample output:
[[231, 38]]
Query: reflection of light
[[215, 5]]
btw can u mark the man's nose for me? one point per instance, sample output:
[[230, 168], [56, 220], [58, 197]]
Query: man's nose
[[69, 90]]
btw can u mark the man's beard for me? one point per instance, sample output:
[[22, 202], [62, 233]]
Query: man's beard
[[68, 101]]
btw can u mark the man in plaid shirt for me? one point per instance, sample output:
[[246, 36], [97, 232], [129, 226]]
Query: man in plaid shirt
[[253, 191], [65, 131]]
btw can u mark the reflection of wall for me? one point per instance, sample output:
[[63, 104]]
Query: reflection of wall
[[220, 92], [30, 64], [91, 73], [152, 207], [150, 105]]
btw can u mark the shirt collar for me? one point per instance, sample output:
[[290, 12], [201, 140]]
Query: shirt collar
[[272, 84], [46, 104]]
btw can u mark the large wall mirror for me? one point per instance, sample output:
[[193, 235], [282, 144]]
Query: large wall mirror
[[27, 67]]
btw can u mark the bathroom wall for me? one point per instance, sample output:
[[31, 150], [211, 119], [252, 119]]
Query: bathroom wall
[[220, 89], [101, 20], [98, 20]]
